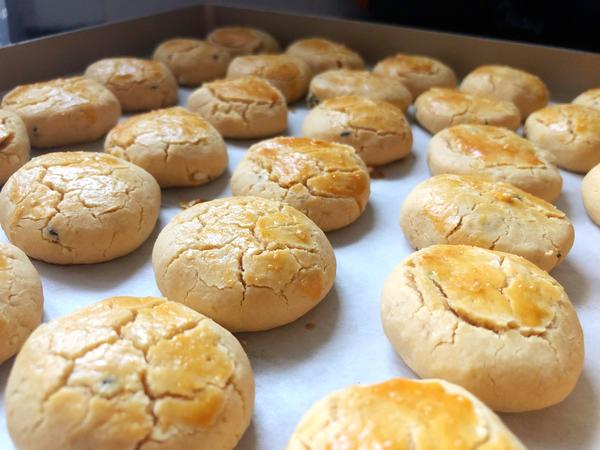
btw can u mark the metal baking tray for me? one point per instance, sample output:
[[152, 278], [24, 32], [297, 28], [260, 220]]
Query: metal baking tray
[[341, 341]]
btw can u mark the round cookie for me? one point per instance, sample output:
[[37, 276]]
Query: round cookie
[[402, 414], [377, 130], [362, 83], [527, 91], [192, 61], [248, 263], [126, 373], [508, 323], [322, 54], [178, 147], [287, 73], [21, 300], [589, 98], [417, 73], [14, 144], [139, 84], [79, 207], [570, 132], [243, 41], [64, 111], [245, 107], [590, 191], [496, 153], [471, 210], [439, 108], [324, 180]]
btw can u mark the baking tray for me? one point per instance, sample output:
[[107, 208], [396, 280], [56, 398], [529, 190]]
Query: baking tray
[[341, 341]]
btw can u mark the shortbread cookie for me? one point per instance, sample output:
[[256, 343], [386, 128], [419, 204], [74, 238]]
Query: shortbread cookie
[[248, 263], [130, 373], [287, 73], [377, 130], [245, 107], [590, 190], [497, 153], [570, 132], [178, 147], [322, 54], [139, 84], [527, 91], [362, 83], [439, 108], [79, 207], [14, 144], [326, 181], [491, 322], [192, 61], [471, 210], [21, 300], [417, 73], [590, 98], [243, 41], [64, 111], [402, 414]]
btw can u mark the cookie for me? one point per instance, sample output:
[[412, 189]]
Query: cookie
[[402, 414], [377, 130], [243, 41], [496, 153], [322, 54], [126, 373], [64, 111], [242, 108], [324, 180], [21, 300], [361, 83], [287, 73], [472, 210], [178, 147], [527, 91], [79, 207], [570, 132], [139, 84], [439, 108], [589, 98], [192, 61], [508, 324], [14, 144], [417, 73], [248, 263], [590, 191]]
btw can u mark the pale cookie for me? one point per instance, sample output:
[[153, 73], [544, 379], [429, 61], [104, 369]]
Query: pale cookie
[[488, 321], [590, 98], [243, 41], [377, 130], [64, 111], [177, 146], [79, 207], [245, 107], [14, 144], [287, 73], [417, 73], [21, 300], [401, 414], [497, 153], [570, 132], [471, 210], [362, 83], [139, 84], [590, 190], [326, 181], [130, 373], [192, 61], [248, 263], [322, 54], [527, 91], [439, 108]]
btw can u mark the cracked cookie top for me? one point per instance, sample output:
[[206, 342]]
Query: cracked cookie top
[[322, 54], [14, 144], [131, 373], [570, 121], [402, 414], [243, 40], [589, 98], [247, 89]]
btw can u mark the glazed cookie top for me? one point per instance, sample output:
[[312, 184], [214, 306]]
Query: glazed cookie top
[[272, 67], [330, 54], [243, 40], [569, 122], [14, 142], [172, 47], [401, 64], [122, 73], [247, 89], [590, 98]]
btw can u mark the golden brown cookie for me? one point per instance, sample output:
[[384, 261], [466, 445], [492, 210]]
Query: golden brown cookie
[[590, 98], [590, 191], [243, 41], [14, 144], [322, 54]]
